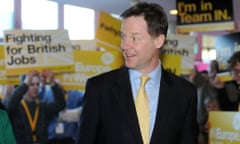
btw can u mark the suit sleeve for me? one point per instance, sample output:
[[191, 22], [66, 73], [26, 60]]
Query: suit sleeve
[[190, 131], [59, 102], [15, 99], [89, 119]]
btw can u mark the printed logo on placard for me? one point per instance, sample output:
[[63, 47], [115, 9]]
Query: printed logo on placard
[[236, 122], [107, 58]]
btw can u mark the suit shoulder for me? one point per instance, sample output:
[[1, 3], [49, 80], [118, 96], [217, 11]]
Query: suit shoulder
[[179, 80]]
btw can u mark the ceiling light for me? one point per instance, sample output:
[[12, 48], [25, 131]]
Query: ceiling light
[[173, 12]]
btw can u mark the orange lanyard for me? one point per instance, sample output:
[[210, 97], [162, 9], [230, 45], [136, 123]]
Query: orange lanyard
[[32, 122]]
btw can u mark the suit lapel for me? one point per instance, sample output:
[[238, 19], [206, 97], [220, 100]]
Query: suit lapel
[[122, 91], [164, 102]]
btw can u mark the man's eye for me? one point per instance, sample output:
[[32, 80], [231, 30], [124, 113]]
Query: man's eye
[[134, 39]]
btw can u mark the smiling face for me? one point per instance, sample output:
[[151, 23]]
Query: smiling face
[[140, 49], [32, 92]]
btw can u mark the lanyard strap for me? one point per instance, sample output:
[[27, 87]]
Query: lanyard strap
[[32, 122]]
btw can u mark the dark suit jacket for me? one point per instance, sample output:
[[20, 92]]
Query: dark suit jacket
[[109, 114]]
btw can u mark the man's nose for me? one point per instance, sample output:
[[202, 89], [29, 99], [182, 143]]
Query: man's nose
[[125, 44]]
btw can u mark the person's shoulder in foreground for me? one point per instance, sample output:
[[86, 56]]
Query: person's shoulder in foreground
[[6, 131]]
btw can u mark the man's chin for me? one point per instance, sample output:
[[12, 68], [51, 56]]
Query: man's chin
[[130, 65]]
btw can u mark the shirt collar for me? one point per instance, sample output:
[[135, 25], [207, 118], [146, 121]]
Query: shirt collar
[[155, 75]]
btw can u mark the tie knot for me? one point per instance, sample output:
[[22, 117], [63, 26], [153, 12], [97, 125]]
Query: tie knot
[[144, 80]]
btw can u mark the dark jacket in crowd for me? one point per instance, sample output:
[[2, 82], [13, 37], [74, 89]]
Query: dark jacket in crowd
[[18, 117], [229, 96]]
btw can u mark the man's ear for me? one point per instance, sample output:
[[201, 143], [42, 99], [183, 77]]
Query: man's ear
[[159, 41]]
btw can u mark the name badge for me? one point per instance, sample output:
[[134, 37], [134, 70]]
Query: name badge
[[59, 128]]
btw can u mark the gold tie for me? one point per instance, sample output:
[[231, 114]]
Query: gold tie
[[142, 108]]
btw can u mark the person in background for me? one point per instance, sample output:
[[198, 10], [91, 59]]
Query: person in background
[[2, 106], [110, 113], [213, 69], [229, 91], [211, 104], [29, 115], [6, 92], [205, 91], [73, 113], [62, 126], [205, 74], [6, 132]]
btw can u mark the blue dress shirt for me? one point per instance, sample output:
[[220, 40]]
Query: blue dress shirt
[[152, 88]]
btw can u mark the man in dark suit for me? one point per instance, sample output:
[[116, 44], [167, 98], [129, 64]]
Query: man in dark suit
[[109, 114]]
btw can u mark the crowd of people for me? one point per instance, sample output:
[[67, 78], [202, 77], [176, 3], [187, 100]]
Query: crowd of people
[[57, 111], [214, 94], [40, 111]]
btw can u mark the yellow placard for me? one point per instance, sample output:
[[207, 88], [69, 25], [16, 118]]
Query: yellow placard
[[204, 15], [88, 64], [224, 127], [206, 27], [84, 44], [108, 34], [1, 91], [224, 76], [171, 63], [2, 61], [4, 79], [37, 49], [183, 46]]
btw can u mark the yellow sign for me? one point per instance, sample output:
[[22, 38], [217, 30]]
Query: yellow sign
[[84, 45], [171, 63], [224, 127], [183, 46], [88, 64], [2, 61], [37, 49], [108, 34], [206, 27], [224, 76], [3, 77], [1, 92], [204, 15]]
